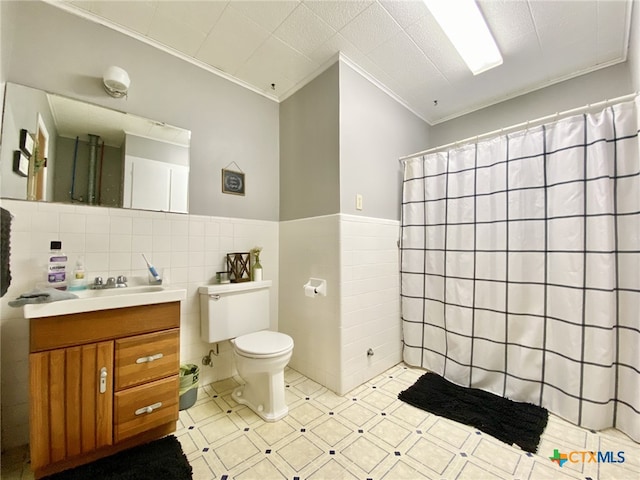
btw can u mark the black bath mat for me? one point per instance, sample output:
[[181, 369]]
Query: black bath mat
[[160, 459], [508, 421]]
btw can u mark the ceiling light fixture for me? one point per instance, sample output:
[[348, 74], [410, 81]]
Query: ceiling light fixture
[[116, 82], [467, 29]]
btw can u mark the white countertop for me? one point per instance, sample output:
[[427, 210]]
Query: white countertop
[[106, 299]]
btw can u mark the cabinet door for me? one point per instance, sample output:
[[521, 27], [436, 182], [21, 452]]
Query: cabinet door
[[71, 407]]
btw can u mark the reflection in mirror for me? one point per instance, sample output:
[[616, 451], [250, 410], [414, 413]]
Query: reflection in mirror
[[57, 149]]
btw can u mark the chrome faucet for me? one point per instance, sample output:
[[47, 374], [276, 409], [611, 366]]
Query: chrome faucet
[[112, 282]]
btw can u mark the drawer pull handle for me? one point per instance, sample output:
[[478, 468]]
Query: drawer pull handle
[[150, 358], [148, 409]]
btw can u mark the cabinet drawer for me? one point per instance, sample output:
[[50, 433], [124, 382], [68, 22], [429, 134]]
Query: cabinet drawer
[[144, 358], [144, 407]]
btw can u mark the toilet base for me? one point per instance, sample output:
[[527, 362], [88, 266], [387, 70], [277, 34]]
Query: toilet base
[[238, 396]]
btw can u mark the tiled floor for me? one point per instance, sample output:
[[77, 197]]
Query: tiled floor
[[368, 434]]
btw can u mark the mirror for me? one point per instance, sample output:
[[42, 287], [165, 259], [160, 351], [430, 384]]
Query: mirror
[[57, 149]]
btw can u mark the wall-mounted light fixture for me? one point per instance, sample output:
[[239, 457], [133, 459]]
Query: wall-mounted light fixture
[[463, 23], [116, 82]]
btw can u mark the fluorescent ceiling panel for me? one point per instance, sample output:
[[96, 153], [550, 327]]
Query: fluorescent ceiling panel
[[463, 23]]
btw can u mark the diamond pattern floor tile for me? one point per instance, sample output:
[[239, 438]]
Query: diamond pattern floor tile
[[272, 433], [305, 413], [308, 387], [332, 470], [365, 434], [261, 471], [236, 451], [389, 432], [365, 454], [431, 455], [378, 400], [357, 414], [410, 415], [450, 432], [218, 429], [497, 455], [299, 453], [332, 432], [202, 411], [201, 469], [471, 471], [403, 471]]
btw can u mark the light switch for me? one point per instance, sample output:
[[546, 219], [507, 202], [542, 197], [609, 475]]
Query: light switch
[[358, 201]]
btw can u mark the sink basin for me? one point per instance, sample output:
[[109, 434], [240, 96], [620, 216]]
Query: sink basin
[[106, 299], [105, 292]]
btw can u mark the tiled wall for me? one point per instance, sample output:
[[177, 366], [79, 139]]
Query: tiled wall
[[309, 248], [370, 306], [358, 257], [190, 249]]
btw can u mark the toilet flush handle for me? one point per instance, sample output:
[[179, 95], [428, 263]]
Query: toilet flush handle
[[214, 296]]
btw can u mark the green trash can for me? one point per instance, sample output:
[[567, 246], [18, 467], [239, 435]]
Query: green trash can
[[189, 374]]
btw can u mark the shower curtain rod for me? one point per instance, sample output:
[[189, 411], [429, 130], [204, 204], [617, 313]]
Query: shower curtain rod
[[526, 124]]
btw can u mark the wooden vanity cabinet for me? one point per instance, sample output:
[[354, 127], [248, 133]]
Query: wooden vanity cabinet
[[101, 382]]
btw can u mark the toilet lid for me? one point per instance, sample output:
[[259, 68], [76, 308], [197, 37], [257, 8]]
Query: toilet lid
[[264, 343]]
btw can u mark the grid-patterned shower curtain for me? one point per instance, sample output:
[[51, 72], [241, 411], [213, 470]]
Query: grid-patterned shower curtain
[[520, 266]]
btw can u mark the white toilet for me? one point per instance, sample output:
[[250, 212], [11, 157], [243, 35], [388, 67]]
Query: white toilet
[[240, 312]]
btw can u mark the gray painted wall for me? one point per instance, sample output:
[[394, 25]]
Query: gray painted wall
[[589, 88], [156, 150], [375, 131], [50, 49], [309, 149], [634, 46], [341, 135]]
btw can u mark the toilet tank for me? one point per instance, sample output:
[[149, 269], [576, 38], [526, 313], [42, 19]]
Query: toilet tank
[[233, 309]]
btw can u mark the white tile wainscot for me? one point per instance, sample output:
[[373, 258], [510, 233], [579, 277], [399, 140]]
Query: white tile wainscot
[[370, 303], [358, 256], [309, 248], [189, 248]]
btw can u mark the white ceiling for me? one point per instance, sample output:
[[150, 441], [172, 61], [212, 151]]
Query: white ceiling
[[76, 118], [396, 43]]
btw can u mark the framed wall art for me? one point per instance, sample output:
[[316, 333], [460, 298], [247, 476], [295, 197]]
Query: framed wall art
[[233, 182], [26, 142], [20, 163]]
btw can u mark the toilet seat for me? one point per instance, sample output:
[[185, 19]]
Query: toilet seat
[[263, 344]]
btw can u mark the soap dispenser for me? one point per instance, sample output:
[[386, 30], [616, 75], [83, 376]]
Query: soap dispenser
[[78, 280]]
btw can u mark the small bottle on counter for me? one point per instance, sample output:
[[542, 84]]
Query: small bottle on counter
[[57, 267], [78, 280]]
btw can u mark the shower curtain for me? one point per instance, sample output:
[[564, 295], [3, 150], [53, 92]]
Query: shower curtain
[[520, 266]]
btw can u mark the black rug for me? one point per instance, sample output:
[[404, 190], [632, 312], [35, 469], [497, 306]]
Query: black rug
[[160, 459], [508, 421]]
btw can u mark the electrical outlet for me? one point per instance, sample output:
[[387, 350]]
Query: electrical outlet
[[358, 201]]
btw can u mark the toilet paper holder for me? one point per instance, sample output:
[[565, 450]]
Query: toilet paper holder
[[315, 286]]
